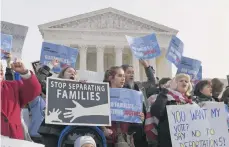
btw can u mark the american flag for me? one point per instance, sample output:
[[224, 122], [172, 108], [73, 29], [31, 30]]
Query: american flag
[[151, 122]]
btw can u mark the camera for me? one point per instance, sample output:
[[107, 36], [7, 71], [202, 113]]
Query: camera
[[42, 75]]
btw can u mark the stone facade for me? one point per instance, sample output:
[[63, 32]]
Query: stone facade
[[100, 38]]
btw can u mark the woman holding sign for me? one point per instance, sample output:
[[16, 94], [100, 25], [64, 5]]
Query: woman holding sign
[[115, 76], [177, 94], [50, 133]]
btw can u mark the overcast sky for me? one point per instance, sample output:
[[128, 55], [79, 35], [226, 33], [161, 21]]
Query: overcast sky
[[203, 24]]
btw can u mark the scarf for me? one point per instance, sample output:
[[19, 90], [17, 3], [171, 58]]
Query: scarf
[[152, 122], [203, 98]]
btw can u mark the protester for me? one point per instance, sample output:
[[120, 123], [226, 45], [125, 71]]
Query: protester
[[85, 141], [11, 75], [177, 94], [14, 96], [217, 88], [225, 99], [163, 83], [50, 133], [139, 136], [129, 75], [115, 76], [203, 91]]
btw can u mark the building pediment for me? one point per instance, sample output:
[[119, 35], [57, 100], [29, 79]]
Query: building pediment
[[107, 19]]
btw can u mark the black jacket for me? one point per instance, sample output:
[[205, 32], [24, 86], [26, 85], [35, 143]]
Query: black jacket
[[158, 109], [139, 135]]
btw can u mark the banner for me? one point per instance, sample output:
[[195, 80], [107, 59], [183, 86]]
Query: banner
[[9, 142], [126, 105], [145, 47], [91, 76], [193, 126], [67, 56], [74, 103], [175, 51], [189, 66], [19, 33], [6, 44]]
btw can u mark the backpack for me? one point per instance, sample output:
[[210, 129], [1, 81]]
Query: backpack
[[70, 133]]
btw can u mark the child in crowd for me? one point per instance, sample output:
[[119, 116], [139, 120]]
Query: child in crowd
[[85, 141]]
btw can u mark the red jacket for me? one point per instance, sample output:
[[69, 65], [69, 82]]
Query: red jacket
[[14, 96]]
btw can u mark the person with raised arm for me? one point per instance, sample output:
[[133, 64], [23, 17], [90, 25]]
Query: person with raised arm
[[15, 95]]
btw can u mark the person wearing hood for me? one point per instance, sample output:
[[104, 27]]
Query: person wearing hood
[[85, 141]]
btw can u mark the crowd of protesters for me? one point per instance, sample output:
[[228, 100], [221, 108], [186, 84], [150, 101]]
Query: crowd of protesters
[[29, 92]]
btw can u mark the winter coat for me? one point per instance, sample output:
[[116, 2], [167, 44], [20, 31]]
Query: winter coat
[[159, 111], [14, 96], [140, 136]]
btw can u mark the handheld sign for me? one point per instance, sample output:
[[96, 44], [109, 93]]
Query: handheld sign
[[145, 47], [175, 51], [66, 56], [10, 142], [193, 126], [189, 66], [126, 105], [73, 103], [18, 33], [198, 77], [91, 76], [6, 44], [36, 65]]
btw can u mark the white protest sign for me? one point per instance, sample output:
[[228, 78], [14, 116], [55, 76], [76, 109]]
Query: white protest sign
[[192, 126], [90, 75], [19, 33], [9, 142]]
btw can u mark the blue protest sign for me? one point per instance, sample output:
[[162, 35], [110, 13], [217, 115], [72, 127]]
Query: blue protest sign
[[126, 105], [145, 47], [65, 55], [189, 66], [175, 51], [6, 44]]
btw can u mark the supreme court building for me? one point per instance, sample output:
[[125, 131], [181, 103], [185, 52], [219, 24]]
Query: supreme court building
[[100, 38]]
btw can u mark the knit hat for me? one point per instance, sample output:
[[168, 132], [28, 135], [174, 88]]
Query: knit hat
[[84, 140]]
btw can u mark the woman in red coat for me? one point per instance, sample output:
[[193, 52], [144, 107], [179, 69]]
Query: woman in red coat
[[14, 96]]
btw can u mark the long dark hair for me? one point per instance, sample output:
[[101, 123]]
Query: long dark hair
[[199, 87], [111, 72]]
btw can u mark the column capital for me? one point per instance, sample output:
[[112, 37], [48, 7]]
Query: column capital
[[119, 48], [83, 46], [100, 48]]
